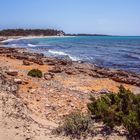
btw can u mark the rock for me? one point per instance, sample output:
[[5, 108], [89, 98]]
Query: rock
[[7, 50], [12, 73], [65, 62], [26, 63], [13, 88], [71, 71], [48, 76], [25, 82], [56, 69], [18, 81], [32, 91], [39, 61], [21, 57], [71, 104], [103, 91]]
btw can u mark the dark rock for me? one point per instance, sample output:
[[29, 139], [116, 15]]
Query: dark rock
[[21, 57], [71, 71], [38, 61], [7, 50], [12, 73], [56, 69], [119, 76], [39, 55], [51, 61], [26, 63]]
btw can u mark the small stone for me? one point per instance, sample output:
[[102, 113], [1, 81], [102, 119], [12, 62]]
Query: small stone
[[13, 88], [26, 63], [16, 127], [71, 104], [48, 76], [25, 82], [37, 99], [39, 61], [103, 91], [12, 73], [18, 81], [32, 91], [71, 71], [56, 69]]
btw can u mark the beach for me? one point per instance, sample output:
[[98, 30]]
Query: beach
[[69, 70], [32, 107]]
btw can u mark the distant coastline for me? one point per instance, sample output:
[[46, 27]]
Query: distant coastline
[[87, 35], [40, 33]]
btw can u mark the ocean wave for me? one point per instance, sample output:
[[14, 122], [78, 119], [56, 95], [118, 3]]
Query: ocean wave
[[60, 53], [134, 56], [57, 52], [8, 40], [31, 45]]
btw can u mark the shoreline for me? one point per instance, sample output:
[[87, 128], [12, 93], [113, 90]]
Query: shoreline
[[10, 38], [41, 104], [4, 39], [102, 71]]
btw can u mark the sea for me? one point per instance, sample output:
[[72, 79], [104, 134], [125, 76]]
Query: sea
[[117, 52]]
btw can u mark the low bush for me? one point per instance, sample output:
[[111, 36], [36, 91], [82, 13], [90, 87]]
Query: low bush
[[76, 125], [116, 109], [35, 73]]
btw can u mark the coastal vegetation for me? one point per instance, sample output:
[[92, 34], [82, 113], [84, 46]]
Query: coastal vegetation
[[113, 109], [118, 109], [65, 88], [33, 32], [76, 125], [35, 73]]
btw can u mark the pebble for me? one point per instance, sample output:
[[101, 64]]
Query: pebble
[[18, 81], [12, 72]]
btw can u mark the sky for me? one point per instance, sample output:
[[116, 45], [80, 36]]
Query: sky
[[114, 17]]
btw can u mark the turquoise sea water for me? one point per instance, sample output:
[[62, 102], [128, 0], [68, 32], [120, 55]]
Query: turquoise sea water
[[107, 51]]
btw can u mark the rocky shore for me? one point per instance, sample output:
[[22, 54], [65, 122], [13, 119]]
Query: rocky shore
[[31, 107]]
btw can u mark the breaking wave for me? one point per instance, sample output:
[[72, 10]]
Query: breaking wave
[[60, 53]]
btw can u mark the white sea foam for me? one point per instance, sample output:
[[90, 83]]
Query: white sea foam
[[8, 40], [74, 58], [57, 52], [31, 45], [63, 54]]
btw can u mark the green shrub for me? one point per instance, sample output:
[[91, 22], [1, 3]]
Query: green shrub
[[35, 73], [76, 125], [115, 109]]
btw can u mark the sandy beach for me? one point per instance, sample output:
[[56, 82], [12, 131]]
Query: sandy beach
[[5, 39]]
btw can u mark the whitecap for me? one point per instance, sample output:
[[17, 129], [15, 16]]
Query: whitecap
[[73, 58], [57, 52], [31, 45], [8, 40]]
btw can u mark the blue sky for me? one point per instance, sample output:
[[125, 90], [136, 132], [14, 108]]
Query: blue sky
[[117, 17]]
